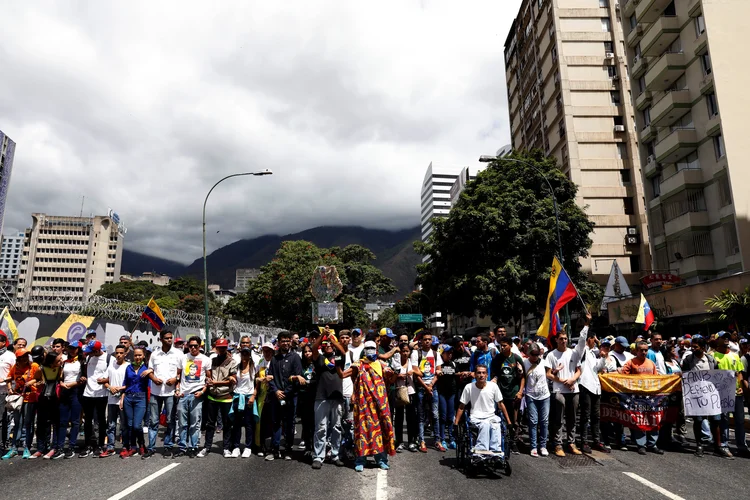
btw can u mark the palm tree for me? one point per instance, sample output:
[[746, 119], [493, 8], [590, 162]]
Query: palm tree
[[732, 307]]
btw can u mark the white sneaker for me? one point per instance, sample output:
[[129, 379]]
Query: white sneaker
[[227, 454], [236, 453], [247, 453], [202, 453], [544, 452], [534, 453]]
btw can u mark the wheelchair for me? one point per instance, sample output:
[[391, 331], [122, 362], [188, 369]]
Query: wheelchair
[[474, 462]]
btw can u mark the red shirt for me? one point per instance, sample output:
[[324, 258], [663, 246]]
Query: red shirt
[[634, 367], [22, 375]]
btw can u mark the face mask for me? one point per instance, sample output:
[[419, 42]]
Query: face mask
[[371, 354]]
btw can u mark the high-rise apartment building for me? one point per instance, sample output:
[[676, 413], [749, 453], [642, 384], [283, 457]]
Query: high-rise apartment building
[[688, 75], [436, 196], [7, 152], [569, 95], [242, 278], [66, 259], [10, 255]]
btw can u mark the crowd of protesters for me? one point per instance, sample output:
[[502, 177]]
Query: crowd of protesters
[[352, 392]]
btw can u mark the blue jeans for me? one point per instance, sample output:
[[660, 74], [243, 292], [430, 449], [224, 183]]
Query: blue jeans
[[446, 405], [70, 412], [427, 407], [242, 419], [327, 426], [644, 439], [24, 425], [538, 412], [154, 409], [283, 418], [134, 407], [739, 424], [490, 432], [114, 413], [380, 458], [189, 412]]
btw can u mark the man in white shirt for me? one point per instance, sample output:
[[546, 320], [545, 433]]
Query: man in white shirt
[[563, 368], [165, 363], [189, 396], [94, 400], [590, 389], [484, 397], [115, 385], [426, 367], [7, 360]]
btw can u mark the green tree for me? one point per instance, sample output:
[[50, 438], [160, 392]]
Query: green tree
[[387, 318], [732, 307], [493, 252], [135, 291], [185, 285]]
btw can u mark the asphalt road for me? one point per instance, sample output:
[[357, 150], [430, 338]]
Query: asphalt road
[[412, 476]]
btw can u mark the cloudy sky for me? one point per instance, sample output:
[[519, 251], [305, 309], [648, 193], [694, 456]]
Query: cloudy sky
[[141, 106]]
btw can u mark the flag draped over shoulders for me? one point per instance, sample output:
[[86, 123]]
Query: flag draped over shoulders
[[373, 428]]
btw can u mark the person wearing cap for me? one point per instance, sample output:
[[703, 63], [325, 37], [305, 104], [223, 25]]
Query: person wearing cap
[[69, 403], [508, 373], [620, 353], [179, 344], [241, 413], [590, 389], [427, 367], [385, 350], [115, 384], [347, 385], [189, 397], [164, 366], [7, 360], [728, 360], [563, 368], [95, 397], [23, 379], [371, 405], [220, 379], [126, 341], [282, 396], [357, 344]]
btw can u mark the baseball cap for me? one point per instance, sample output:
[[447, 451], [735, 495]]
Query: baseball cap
[[92, 346], [21, 352], [370, 344], [222, 342], [722, 334], [744, 340], [179, 340], [622, 341], [124, 337], [357, 331], [386, 332], [76, 344], [606, 341], [246, 350], [697, 336], [267, 345], [446, 348], [435, 341], [3, 336], [687, 336], [90, 332]]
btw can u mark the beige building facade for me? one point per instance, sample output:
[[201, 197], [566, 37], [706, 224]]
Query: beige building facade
[[66, 259], [569, 95], [688, 73]]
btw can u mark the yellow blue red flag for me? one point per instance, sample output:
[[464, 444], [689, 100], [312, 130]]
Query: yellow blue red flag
[[153, 314], [561, 291]]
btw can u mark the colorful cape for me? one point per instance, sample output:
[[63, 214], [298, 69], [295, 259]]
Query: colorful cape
[[258, 409], [640, 401], [373, 429]]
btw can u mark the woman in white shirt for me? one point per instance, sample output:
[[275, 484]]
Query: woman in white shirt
[[537, 401], [243, 404], [405, 379], [70, 404]]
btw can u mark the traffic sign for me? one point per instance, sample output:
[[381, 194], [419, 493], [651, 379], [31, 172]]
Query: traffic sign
[[410, 318]]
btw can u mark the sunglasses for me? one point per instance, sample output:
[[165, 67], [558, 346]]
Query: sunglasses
[[167, 338], [193, 346]]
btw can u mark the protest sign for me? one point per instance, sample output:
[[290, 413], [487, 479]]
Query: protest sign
[[708, 392], [640, 401]]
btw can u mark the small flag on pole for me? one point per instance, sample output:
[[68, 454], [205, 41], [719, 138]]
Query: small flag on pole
[[8, 325], [153, 314], [645, 314], [561, 291]]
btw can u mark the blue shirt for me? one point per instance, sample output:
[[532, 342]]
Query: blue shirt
[[481, 358], [133, 381]]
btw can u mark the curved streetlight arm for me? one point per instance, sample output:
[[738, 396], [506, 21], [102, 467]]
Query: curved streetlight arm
[[205, 262]]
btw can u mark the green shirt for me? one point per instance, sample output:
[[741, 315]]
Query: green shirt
[[730, 361]]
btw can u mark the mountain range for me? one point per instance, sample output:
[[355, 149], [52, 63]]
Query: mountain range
[[395, 254]]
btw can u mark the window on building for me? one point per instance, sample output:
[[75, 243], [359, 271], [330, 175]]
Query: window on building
[[706, 64], [603, 4], [633, 22], [656, 186], [670, 9], [731, 243], [628, 206], [635, 263], [725, 193], [647, 117], [719, 147], [606, 25], [619, 120], [561, 128], [625, 177], [642, 84], [609, 47], [713, 106], [554, 54], [612, 71], [622, 150], [700, 25], [689, 162], [614, 96]]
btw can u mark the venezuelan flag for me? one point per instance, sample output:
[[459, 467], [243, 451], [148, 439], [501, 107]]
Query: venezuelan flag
[[561, 291], [645, 314], [153, 314]]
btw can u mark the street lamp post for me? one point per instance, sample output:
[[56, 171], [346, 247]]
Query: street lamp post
[[205, 262]]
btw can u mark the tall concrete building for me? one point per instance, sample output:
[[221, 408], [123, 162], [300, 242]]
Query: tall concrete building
[[242, 277], [569, 95], [10, 255], [7, 152], [436, 196], [687, 58], [66, 259]]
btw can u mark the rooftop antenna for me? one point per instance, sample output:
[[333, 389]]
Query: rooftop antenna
[[83, 198]]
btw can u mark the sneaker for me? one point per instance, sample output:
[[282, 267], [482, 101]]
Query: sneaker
[[586, 448], [699, 451], [543, 452], [601, 447], [287, 455], [50, 454], [269, 457], [38, 454], [247, 453], [534, 453], [261, 454], [412, 447], [439, 446], [721, 452], [203, 453], [107, 453], [192, 453], [514, 448], [227, 454], [400, 448], [147, 455], [559, 451], [179, 454], [423, 447], [452, 445], [58, 455], [125, 453], [656, 450], [69, 453], [338, 462], [26, 454], [317, 464], [141, 451], [383, 466], [167, 453], [641, 450], [301, 445], [574, 450], [87, 452], [359, 468]]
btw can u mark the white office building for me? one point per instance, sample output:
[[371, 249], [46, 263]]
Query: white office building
[[10, 256]]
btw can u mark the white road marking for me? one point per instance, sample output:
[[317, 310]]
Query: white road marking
[[143, 482], [653, 486], [381, 490]]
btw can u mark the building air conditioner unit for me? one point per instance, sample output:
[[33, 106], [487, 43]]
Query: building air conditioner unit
[[617, 6], [636, 58], [619, 128], [651, 158], [609, 55]]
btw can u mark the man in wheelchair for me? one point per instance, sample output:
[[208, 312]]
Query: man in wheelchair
[[484, 397]]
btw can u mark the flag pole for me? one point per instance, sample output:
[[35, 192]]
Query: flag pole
[[140, 318], [585, 309]]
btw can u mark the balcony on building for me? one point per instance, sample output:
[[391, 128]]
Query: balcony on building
[[680, 143], [651, 167], [685, 177], [648, 11], [634, 35], [643, 100], [671, 107], [663, 72], [628, 7], [647, 133], [660, 35], [640, 65]]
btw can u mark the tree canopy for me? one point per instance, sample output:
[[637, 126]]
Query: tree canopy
[[184, 293], [493, 253], [281, 295]]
